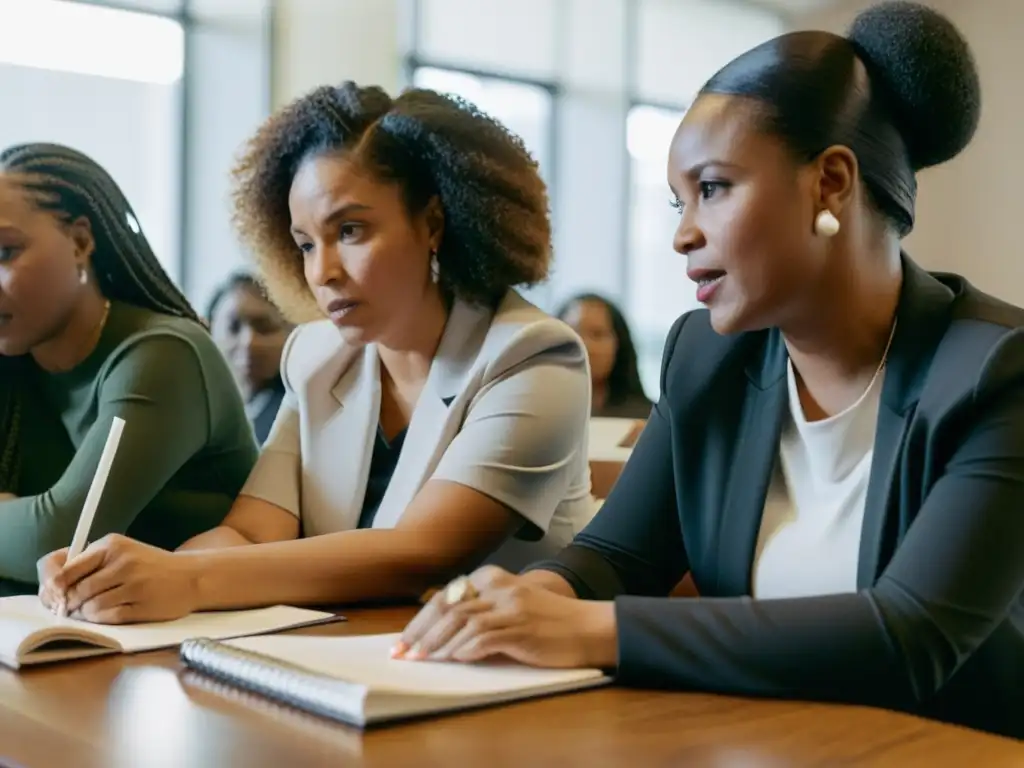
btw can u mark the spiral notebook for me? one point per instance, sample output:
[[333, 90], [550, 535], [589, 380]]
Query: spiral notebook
[[354, 680]]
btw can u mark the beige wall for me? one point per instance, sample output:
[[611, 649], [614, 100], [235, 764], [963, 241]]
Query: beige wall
[[970, 214], [319, 42]]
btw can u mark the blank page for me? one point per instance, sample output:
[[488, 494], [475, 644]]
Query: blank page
[[365, 660], [24, 615], [215, 625]]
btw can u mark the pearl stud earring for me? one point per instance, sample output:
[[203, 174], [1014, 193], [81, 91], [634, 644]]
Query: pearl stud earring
[[826, 224]]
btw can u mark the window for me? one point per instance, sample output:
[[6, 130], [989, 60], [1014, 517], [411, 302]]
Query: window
[[659, 290], [107, 82], [524, 108]]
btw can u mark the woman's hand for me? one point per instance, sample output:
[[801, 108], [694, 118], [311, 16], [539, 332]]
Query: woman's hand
[[118, 580], [514, 617], [47, 567]]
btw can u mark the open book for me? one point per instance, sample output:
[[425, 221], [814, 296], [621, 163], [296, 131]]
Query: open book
[[354, 680], [30, 634]]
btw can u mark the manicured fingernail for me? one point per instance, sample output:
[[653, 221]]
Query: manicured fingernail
[[399, 649], [416, 654]]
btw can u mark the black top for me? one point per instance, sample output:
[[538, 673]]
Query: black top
[[382, 467], [633, 407], [937, 627], [269, 404]]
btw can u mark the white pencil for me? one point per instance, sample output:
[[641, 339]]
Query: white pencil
[[92, 499]]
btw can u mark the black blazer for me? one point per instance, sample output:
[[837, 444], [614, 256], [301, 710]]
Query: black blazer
[[937, 627]]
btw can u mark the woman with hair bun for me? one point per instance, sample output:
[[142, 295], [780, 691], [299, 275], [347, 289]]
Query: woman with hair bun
[[432, 418], [837, 457]]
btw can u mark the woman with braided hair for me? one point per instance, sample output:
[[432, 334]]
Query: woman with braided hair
[[432, 418], [91, 328]]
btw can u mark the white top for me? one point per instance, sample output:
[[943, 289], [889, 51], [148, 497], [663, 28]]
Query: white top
[[809, 541]]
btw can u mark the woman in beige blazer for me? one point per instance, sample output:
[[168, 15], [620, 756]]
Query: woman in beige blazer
[[433, 421]]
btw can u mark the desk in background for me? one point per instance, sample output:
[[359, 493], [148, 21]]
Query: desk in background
[[610, 444], [142, 712]]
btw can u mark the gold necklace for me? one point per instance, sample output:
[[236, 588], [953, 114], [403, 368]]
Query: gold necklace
[[99, 328], [885, 355]]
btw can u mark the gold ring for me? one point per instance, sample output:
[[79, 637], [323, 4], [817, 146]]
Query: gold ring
[[459, 590]]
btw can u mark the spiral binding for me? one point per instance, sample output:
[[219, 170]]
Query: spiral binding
[[274, 679]]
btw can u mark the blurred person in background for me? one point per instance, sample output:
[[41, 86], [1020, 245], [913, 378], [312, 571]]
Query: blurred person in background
[[251, 332], [617, 391]]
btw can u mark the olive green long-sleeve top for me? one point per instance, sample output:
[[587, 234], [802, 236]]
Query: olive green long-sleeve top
[[186, 450]]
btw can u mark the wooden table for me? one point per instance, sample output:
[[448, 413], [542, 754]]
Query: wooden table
[[141, 711]]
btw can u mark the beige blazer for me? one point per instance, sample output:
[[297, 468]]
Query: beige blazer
[[505, 410]]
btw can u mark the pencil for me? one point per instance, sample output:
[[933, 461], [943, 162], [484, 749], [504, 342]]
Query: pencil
[[92, 498]]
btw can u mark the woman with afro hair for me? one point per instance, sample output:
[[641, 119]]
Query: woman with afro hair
[[432, 420]]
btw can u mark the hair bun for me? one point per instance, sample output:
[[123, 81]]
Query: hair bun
[[926, 69]]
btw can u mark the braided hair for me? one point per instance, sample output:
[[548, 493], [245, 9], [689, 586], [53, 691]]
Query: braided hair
[[497, 233], [70, 185]]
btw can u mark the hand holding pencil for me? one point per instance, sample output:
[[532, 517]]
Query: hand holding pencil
[[92, 501]]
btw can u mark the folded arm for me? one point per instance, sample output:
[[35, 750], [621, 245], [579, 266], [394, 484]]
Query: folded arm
[[157, 388]]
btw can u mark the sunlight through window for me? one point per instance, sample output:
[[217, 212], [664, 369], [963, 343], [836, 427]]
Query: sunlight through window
[[91, 40]]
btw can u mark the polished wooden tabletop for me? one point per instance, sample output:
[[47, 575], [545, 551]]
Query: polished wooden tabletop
[[141, 711]]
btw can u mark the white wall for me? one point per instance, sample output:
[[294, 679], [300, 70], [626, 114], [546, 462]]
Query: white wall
[[320, 42], [228, 97], [968, 211]]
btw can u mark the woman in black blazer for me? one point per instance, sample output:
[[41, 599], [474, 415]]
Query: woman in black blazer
[[838, 455]]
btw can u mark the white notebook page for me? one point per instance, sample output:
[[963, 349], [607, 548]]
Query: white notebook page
[[217, 626], [365, 660], [24, 614]]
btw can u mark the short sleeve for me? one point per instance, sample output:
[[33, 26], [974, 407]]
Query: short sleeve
[[275, 478], [523, 442]]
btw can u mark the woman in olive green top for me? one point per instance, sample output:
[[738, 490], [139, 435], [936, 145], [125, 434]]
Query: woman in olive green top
[[91, 328]]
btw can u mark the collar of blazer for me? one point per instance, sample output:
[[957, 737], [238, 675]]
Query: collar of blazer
[[922, 319], [338, 391]]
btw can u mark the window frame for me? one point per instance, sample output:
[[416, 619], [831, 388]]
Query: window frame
[[185, 18], [553, 90], [628, 305], [413, 62]]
